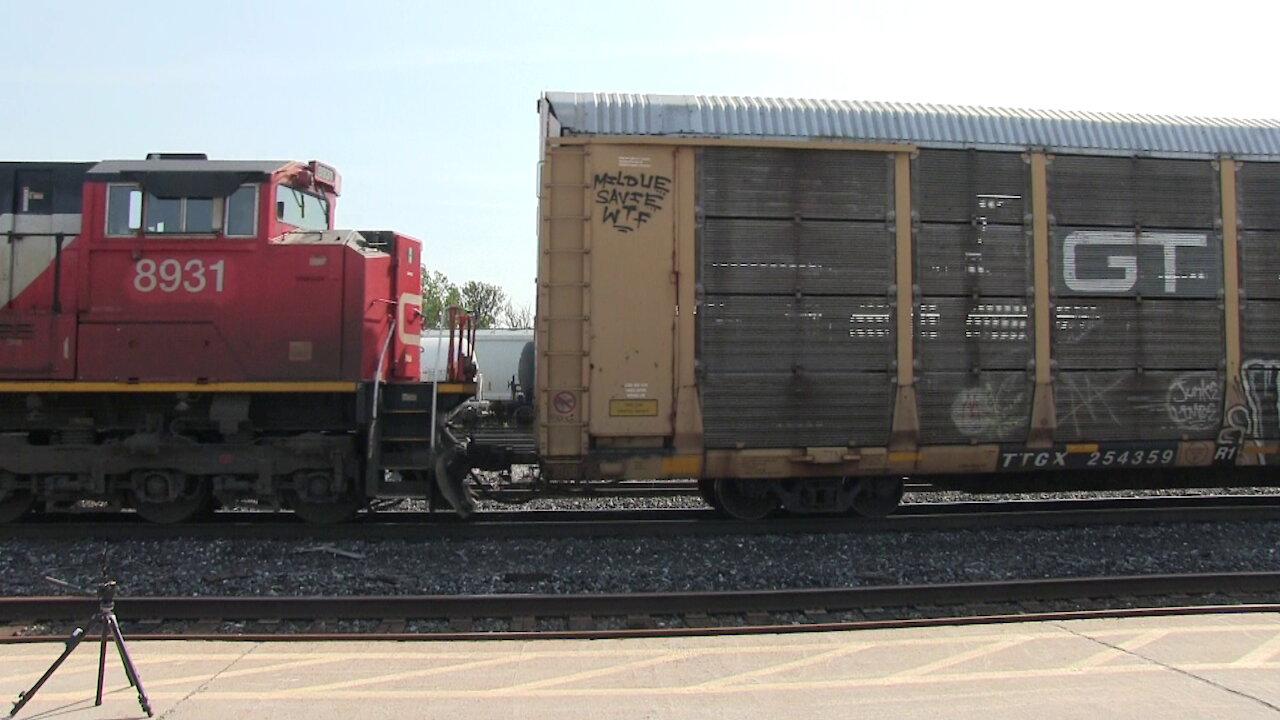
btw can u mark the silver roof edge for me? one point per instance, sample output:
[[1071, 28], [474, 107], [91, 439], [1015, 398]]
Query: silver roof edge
[[929, 126]]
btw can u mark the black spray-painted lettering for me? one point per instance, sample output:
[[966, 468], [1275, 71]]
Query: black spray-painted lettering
[[630, 200]]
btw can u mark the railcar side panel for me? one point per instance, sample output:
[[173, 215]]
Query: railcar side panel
[[1257, 415], [1136, 272], [796, 264], [796, 342], [974, 333], [563, 306], [633, 217]]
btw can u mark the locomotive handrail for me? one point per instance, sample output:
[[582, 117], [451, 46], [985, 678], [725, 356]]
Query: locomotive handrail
[[377, 386]]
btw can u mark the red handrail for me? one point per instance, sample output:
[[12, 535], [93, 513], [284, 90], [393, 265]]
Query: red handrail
[[461, 365]]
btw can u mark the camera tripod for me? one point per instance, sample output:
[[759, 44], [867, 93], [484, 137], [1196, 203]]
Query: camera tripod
[[106, 616]]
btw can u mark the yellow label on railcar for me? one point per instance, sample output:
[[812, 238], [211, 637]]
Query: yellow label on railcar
[[633, 408]]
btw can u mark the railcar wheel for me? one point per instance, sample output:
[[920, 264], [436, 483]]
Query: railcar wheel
[[314, 500], [707, 489], [746, 499], [167, 497], [877, 497], [14, 502]]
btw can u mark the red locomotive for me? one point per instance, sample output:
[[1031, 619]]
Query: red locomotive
[[179, 331]]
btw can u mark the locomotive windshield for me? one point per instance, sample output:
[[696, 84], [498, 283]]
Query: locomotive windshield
[[301, 209]]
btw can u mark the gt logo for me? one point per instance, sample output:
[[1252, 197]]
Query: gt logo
[[170, 275], [1125, 262]]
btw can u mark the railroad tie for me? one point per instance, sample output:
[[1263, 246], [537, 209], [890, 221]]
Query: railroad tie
[[392, 626]]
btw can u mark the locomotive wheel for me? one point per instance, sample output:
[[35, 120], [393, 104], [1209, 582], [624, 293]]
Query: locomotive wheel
[[746, 499], [314, 501], [167, 497], [707, 489], [877, 497], [14, 503]]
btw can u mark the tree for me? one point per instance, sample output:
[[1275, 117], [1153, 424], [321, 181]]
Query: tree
[[518, 318], [484, 301], [437, 295]]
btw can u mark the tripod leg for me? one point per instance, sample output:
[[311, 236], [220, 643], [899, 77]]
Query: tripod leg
[[102, 660], [23, 698], [129, 670]]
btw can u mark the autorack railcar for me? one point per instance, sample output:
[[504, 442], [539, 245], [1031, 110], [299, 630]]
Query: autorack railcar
[[804, 302]]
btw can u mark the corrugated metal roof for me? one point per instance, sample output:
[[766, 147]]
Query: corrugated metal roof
[[949, 126]]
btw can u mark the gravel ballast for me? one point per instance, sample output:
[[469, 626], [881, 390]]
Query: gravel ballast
[[235, 567]]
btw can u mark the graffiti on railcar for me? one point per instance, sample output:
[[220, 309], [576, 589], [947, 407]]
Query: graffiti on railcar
[[1258, 416], [991, 411], [1085, 400], [1194, 401], [1260, 381], [629, 200], [1149, 405]]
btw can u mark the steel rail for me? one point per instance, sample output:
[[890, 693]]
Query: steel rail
[[640, 608], [911, 517]]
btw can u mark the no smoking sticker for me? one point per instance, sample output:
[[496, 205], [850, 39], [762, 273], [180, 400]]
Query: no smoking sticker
[[565, 402]]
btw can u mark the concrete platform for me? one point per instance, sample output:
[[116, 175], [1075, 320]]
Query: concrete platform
[[1220, 666]]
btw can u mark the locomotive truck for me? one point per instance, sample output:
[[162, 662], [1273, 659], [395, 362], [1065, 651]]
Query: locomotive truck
[[798, 303]]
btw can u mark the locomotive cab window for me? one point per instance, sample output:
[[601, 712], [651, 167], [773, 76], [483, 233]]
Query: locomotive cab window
[[242, 211], [131, 210], [124, 209], [177, 215], [301, 209]]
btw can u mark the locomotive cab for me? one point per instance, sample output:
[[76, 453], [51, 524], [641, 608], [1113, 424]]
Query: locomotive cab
[[208, 271], [195, 329]]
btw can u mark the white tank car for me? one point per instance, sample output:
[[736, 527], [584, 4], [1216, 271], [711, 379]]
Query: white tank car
[[497, 356]]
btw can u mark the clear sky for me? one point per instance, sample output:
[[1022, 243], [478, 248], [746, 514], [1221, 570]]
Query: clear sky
[[428, 108]]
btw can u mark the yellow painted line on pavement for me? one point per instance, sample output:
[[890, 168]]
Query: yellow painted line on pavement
[[1262, 653], [644, 653], [39, 652], [963, 657], [1123, 649], [605, 671], [312, 690], [91, 666], [783, 667], [847, 683]]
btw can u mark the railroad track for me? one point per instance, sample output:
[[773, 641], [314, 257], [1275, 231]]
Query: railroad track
[[35, 619], [638, 523]]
